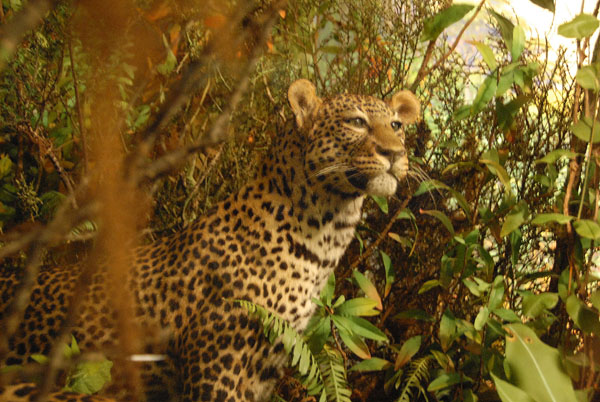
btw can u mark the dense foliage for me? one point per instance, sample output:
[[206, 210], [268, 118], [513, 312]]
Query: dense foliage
[[477, 282]]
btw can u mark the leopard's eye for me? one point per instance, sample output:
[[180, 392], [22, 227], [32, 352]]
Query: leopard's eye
[[356, 121], [396, 125]]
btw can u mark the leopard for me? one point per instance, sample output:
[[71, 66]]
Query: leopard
[[274, 242]]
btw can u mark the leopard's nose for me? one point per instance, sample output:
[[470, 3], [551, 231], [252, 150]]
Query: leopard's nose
[[390, 153]]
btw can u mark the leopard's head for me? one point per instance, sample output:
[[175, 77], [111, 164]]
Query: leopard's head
[[355, 143]]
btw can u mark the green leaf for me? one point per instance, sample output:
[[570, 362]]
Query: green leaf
[[507, 112], [497, 293], [360, 326], [39, 358], [542, 219], [547, 4], [433, 27], [430, 284], [535, 367], [408, 350], [390, 274], [587, 77], [584, 317], [486, 53], [359, 306], [536, 304], [372, 364], [441, 217], [508, 392], [507, 79], [381, 202], [89, 377], [319, 334], [446, 380], [583, 128], [328, 289], [447, 330], [515, 218], [485, 93], [481, 318], [505, 26], [507, 315], [366, 286], [354, 343], [498, 170], [170, 62], [518, 43], [557, 154], [579, 27], [587, 228]]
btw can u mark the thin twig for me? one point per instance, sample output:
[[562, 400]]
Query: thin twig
[[424, 73], [373, 246]]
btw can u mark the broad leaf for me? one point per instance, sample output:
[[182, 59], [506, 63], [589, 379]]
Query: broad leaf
[[542, 219], [557, 154], [507, 315], [583, 316], [89, 377], [430, 284], [535, 367], [390, 274], [497, 293], [587, 77], [587, 228], [536, 304], [446, 380], [579, 27], [447, 330], [505, 26], [583, 129], [364, 328], [495, 168], [434, 26], [366, 286], [441, 217], [328, 289], [515, 218], [359, 306], [486, 53], [407, 351], [481, 318], [354, 343], [372, 364], [510, 393], [485, 93], [382, 203], [518, 43]]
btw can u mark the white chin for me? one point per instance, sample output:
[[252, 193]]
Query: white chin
[[383, 185]]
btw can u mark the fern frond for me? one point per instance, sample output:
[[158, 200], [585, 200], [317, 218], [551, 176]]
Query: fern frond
[[277, 329], [416, 376], [334, 375]]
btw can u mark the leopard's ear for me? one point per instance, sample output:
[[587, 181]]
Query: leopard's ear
[[303, 100], [406, 104]]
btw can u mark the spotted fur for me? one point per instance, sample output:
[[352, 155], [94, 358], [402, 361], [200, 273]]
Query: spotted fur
[[274, 243]]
